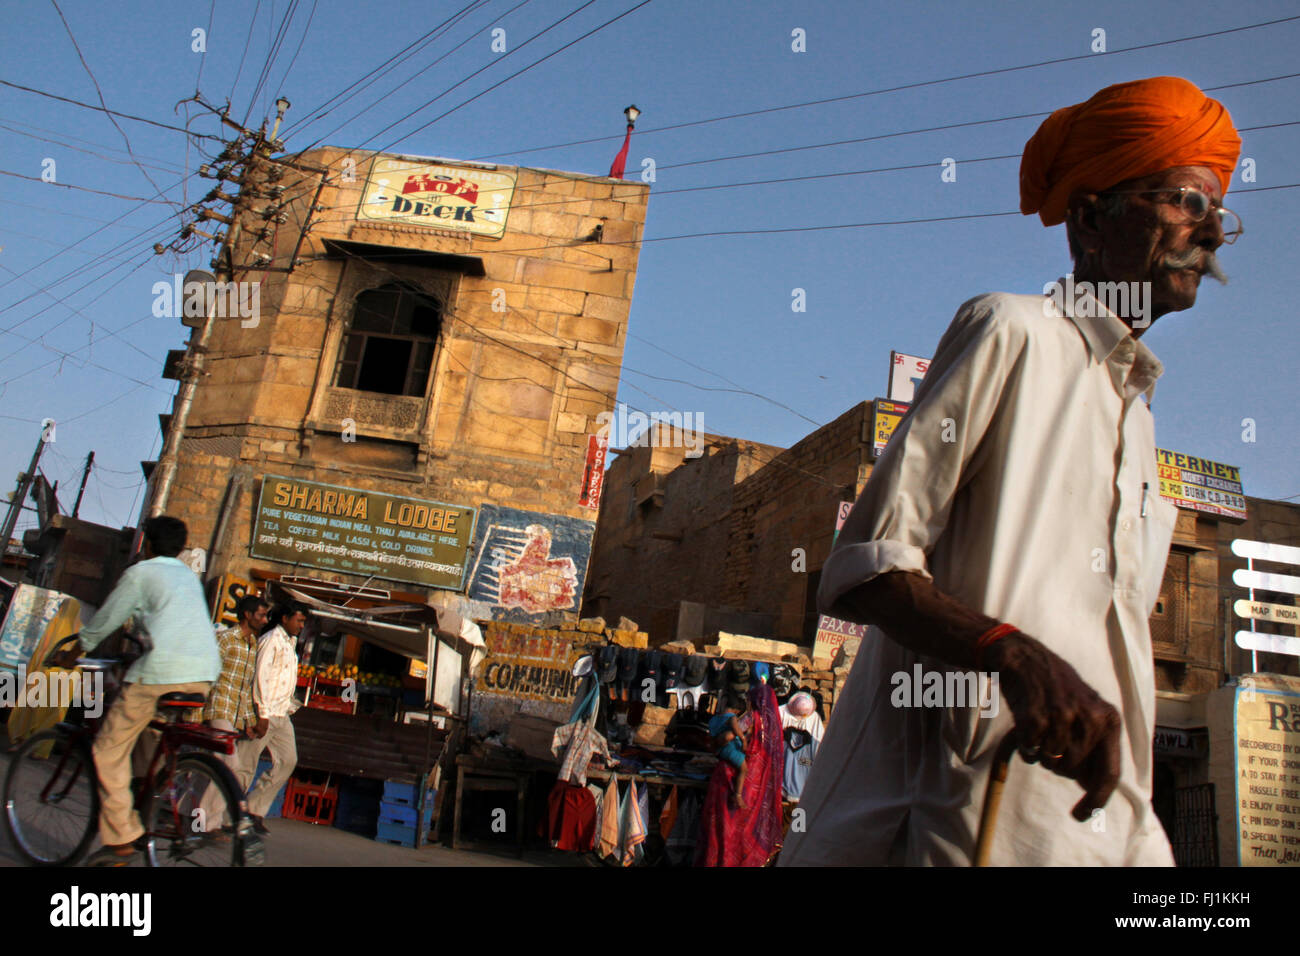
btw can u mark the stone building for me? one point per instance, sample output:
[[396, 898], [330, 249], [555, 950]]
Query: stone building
[[735, 540], [742, 530], [413, 402]]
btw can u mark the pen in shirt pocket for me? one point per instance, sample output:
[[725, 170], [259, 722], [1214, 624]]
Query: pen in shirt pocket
[[1145, 487]]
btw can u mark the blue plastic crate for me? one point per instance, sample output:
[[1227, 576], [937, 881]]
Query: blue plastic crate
[[398, 835], [404, 793], [402, 815], [358, 808]]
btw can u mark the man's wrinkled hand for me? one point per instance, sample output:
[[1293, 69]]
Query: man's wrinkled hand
[[260, 728], [1060, 720]]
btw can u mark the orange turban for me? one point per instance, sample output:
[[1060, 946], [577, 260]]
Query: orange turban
[[1124, 132]]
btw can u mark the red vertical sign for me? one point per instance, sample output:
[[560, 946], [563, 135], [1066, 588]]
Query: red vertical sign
[[593, 475]]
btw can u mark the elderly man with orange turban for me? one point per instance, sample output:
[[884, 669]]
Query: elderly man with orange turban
[[1013, 526]]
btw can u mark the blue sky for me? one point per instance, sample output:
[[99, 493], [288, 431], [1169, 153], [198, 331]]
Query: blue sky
[[90, 357]]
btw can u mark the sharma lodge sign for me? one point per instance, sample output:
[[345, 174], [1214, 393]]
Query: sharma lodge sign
[[453, 198], [363, 532]]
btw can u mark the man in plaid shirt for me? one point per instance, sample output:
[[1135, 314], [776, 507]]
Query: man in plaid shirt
[[230, 703]]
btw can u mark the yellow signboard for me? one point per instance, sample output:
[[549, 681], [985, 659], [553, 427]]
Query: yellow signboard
[[229, 591], [1268, 770], [1199, 484], [462, 199], [886, 418], [362, 532]]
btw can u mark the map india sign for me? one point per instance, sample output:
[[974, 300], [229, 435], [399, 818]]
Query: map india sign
[[362, 532], [465, 199]]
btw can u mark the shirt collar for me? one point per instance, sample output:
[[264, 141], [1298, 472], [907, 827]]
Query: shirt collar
[[1134, 367]]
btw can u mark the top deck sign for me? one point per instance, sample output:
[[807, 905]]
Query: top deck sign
[[453, 198]]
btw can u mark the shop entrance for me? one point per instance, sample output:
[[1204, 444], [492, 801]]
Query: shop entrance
[[1196, 826]]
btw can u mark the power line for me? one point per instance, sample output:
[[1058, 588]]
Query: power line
[[63, 143], [87, 189], [501, 82], [898, 133], [519, 72], [338, 99], [89, 235], [462, 82], [272, 53], [247, 42], [301, 40], [58, 212], [411, 78], [909, 132], [64, 355], [103, 109], [100, 93], [207, 36], [908, 86], [63, 301], [77, 270]]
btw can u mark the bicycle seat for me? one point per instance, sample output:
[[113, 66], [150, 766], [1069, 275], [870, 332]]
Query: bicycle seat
[[178, 699]]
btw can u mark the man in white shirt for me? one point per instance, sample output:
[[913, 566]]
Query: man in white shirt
[[1020, 497], [273, 687]]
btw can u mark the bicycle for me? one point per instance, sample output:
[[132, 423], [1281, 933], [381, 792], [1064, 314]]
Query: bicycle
[[51, 790]]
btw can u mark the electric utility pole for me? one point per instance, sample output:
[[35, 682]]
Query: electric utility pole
[[25, 484]]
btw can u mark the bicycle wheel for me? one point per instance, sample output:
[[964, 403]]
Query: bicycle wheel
[[51, 798], [179, 831]]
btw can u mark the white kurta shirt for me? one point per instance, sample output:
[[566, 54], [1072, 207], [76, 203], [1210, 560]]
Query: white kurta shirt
[[277, 674], [1017, 483]]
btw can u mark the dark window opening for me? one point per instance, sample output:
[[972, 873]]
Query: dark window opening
[[389, 346], [810, 614]]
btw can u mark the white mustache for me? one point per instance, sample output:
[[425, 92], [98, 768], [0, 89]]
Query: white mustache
[[1195, 258]]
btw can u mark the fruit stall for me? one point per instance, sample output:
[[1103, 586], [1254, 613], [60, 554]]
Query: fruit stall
[[381, 677], [346, 689]]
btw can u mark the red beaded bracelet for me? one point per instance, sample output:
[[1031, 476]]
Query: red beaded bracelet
[[993, 634]]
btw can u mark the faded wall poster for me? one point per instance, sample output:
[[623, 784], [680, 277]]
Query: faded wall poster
[[527, 564], [1268, 770]]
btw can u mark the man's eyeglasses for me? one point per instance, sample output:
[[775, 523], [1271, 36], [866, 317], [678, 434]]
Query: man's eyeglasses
[[1195, 204]]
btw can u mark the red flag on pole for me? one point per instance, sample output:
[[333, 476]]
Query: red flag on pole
[[620, 161]]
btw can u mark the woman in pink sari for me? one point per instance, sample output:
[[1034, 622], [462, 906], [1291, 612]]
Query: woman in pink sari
[[730, 836]]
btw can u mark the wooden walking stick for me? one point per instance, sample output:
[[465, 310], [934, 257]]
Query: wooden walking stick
[[993, 797]]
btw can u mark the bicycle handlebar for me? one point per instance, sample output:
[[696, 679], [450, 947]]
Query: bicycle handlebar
[[49, 658]]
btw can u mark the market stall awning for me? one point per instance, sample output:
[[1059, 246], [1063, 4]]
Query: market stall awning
[[438, 636]]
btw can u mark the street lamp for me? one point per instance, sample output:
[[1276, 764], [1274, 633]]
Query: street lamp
[[281, 107], [631, 113]]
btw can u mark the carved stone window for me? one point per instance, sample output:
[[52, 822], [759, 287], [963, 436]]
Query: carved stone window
[[389, 345]]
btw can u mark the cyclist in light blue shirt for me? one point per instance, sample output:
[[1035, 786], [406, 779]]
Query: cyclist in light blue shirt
[[164, 600]]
